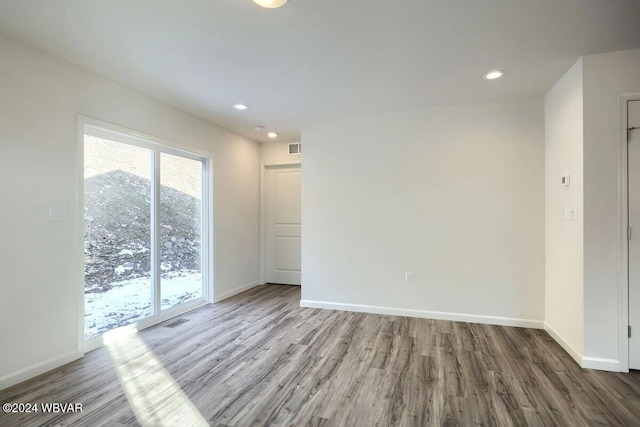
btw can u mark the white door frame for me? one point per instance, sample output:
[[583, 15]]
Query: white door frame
[[623, 223], [263, 210]]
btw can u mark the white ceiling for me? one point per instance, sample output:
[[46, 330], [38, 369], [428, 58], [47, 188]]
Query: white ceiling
[[315, 59]]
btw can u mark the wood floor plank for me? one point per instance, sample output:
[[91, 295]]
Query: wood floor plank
[[258, 359]]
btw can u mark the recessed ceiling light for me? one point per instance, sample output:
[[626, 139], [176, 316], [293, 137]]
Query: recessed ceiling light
[[272, 135], [240, 107], [494, 74], [258, 128], [270, 4]]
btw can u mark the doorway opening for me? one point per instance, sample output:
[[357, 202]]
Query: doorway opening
[[281, 224], [147, 222]]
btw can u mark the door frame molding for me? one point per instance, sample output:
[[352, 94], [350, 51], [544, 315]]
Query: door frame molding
[[263, 210], [623, 224]]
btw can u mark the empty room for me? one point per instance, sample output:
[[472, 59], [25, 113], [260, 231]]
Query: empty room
[[319, 213]]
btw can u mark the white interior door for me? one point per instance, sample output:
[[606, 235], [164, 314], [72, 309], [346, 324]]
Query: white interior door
[[634, 243], [283, 225]]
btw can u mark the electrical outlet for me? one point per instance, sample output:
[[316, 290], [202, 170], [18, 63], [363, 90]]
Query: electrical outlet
[[408, 277]]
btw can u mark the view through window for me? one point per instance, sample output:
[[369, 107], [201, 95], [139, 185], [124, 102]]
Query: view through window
[[143, 222]]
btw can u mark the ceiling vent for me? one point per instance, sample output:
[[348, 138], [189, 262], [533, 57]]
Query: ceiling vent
[[295, 148]]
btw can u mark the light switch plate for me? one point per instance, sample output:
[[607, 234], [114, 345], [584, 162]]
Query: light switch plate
[[572, 213], [58, 213]]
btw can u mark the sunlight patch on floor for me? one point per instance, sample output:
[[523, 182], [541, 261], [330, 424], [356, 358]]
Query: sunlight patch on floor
[[154, 396]]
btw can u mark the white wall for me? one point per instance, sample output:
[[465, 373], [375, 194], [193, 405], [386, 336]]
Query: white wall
[[453, 194], [39, 107], [606, 76], [277, 153], [563, 243]]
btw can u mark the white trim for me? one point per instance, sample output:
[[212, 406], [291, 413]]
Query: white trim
[[263, 222], [611, 365], [263, 210], [37, 369], [236, 291], [156, 284], [208, 229], [623, 224], [427, 314], [142, 139], [575, 355], [78, 217]]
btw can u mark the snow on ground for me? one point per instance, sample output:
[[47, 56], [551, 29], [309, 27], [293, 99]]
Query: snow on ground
[[130, 300]]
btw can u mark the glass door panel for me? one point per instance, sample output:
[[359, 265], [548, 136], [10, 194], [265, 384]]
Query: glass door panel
[[180, 243], [117, 234]]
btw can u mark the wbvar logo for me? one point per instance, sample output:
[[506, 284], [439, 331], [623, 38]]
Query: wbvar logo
[[56, 407]]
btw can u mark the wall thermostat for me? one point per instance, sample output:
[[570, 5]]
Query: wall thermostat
[[566, 180]]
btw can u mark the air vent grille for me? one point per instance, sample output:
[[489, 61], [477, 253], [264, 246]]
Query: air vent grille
[[176, 323], [295, 148]]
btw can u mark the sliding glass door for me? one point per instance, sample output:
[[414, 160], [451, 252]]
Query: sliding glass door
[[117, 234], [145, 216]]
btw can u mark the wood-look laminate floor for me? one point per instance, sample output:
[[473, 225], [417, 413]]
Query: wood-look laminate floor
[[260, 359]]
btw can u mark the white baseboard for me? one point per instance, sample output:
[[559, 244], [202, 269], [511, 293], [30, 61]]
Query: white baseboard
[[575, 354], [37, 369], [456, 317], [585, 362], [229, 294], [601, 364]]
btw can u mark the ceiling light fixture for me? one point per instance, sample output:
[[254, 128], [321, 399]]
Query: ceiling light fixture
[[241, 107], [272, 135], [494, 74], [270, 4], [258, 128]]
